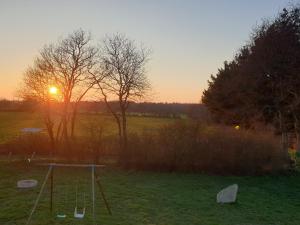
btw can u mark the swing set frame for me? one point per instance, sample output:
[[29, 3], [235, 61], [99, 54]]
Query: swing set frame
[[50, 175]]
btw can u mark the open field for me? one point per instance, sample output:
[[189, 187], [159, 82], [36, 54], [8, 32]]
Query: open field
[[12, 122], [153, 198]]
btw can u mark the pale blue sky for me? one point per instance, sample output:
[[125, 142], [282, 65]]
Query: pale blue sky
[[190, 39]]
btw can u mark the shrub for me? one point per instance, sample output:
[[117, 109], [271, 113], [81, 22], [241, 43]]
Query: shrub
[[183, 146], [188, 146], [27, 144]]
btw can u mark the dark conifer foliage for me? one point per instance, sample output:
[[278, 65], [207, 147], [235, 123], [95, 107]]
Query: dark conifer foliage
[[263, 81]]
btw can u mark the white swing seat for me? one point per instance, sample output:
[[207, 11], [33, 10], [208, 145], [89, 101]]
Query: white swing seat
[[79, 215], [62, 216]]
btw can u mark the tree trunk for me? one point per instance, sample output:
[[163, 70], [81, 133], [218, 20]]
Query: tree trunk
[[297, 141], [73, 120], [49, 126], [58, 131], [65, 134], [74, 113], [115, 115], [284, 135], [120, 135], [296, 130], [124, 130]]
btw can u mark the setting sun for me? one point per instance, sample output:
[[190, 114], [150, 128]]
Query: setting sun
[[53, 90]]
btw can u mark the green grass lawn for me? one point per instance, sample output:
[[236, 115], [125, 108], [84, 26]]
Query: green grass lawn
[[152, 198], [12, 122]]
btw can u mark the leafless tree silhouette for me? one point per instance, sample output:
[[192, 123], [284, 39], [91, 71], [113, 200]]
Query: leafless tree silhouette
[[121, 76], [64, 65]]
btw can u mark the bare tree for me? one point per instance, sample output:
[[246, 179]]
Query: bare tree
[[66, 64], [36, 83], [121, 77]]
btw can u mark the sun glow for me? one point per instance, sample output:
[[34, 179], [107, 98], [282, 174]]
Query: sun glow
[[53, 90]]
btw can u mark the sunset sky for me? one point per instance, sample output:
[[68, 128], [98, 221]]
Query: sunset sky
[[189, 39]]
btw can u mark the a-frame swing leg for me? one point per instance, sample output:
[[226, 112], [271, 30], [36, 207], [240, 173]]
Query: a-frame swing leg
[[51, 191], [102, 193], [39, 195], [93, 192]]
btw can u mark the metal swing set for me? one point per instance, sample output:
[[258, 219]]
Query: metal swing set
[[78, 214]]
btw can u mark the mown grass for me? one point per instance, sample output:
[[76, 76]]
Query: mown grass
[[12, 122], [153, 198]]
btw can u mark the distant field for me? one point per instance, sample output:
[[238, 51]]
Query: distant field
[[12, 122]]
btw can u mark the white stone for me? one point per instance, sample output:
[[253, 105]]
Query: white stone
[[228, 195], [27, 183]]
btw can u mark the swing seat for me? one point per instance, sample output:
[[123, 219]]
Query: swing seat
[[79, 215], [62, 216]]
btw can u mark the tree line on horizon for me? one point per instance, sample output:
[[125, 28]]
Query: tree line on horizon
[[152, 109], [262, 82]]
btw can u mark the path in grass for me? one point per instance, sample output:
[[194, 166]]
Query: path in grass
[[153, 198]]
